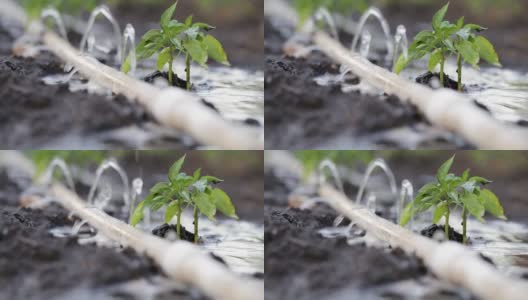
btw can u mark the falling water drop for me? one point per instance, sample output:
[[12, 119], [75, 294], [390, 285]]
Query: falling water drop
[[110, 164], [364, 48], [406, 193], [400, 44], [328, 164], [105, 12], [129, 39], [54, 14], [376, 13]]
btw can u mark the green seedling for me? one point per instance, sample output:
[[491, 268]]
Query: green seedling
[[306, 8], [446, 39], [175, 38], [451, 191], [34, 8], [182, 191]]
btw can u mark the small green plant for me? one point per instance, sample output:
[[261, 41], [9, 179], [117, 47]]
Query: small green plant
[[182, 191], [34, 7], [451, 191], [446, 39], [175, 38], [306, 8]]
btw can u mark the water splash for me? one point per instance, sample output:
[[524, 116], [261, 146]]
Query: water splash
[[88, 34], [110, 164], [328, 164], [58, 79], [401, 44], [381, 164], [77, 227], [59, 164], [406, 193], [376, 13], [53, 14], [322, 17], [364, 47], [129, 39]]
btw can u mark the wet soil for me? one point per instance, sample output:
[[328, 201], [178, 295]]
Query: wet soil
[[34, 115], [434, 229], [36, 265], [301, 264], [427, 79], [300, 114], [164, 230]]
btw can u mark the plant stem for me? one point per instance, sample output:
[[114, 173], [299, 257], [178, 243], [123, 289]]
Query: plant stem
[[195, 225], [188, 70], [464, 223], [446, 226], [442, 62], [178, 223], [170, 69], [459, 70]]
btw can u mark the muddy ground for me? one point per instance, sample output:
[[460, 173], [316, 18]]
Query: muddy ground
[[302, 264], [303, 115], [36, 265], [36, 116]]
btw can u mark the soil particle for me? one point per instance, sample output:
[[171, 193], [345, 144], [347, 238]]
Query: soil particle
[[176, 81], [164, 229], [433, 229], [427, 78]]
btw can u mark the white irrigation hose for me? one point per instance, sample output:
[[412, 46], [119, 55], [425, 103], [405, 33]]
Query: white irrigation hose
[[171, 107], [443, 108], [448, 260], [181, 261]]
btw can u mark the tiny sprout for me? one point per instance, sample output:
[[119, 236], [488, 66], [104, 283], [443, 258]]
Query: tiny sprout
[[451, 191], [182, 191], [175, 38], [448, 39]]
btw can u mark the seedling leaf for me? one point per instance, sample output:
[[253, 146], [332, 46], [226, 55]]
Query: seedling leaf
[[439, 16], [223, 203], [440, 211], [444, 169], [167, 15], [205, 205], [473, 205], [197, 51], [163, 58], [487, 51], [215, 50], [492, 204], [435, 59], [137, 216], [174, 170], [172, 209]]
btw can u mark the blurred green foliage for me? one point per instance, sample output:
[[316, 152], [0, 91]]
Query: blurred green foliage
[[311, 158], [42, 158], [34, 7]]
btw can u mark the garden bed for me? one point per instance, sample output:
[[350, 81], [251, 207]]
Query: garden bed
[[303, 263], [36, 261], [307, 115], [52, 116]]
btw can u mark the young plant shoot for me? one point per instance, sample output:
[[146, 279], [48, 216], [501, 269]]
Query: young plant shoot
[[182, 191], [175, 38], [451, 191], [446, 39]]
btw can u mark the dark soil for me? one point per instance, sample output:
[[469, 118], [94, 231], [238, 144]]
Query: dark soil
[[301, 264], [176, 81], [164, 229], [427, 77], [36, 265], [303, 115], [434, 228], [34, 115]]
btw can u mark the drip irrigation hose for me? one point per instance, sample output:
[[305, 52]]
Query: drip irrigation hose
[[171, 107], [449, 261], [444, 108], [182, 261]]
